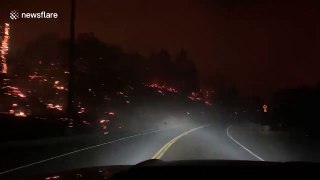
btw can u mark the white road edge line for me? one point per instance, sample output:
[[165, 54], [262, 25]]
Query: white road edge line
[[249, 151], [79, 150]]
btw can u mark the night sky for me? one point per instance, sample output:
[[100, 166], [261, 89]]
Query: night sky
[[257, 46]]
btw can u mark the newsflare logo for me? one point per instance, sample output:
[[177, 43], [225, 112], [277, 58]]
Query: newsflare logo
[[14, 15]]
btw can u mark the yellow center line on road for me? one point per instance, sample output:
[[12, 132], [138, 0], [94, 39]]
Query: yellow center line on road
[[165, 148]]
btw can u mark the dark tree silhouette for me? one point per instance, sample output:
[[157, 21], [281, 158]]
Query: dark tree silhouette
[[46, 55], [162, 67], [186, 73], [297, 108]]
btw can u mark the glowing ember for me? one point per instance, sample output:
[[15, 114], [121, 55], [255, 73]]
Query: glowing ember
[[171, 90], [162, 88], [4, 49], [51, 106], [208, 103], [52, 177], [82, 110], [85, 122], [58, 107], [21, 95], [195, 96], [34, 76], [14, 91], [60, 87], [20, 114], [57, 86]]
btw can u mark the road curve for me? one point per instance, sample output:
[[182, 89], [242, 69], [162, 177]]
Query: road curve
[[188, 142]]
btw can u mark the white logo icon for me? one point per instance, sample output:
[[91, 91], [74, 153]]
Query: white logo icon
[[14, 14]]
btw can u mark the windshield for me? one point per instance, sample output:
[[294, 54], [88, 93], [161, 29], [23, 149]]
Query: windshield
[[100, 83]]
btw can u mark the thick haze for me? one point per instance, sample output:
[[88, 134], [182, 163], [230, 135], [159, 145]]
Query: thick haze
[[258, 46]]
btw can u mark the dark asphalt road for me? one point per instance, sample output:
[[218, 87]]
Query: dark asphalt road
[[211, 142], [186, 142]]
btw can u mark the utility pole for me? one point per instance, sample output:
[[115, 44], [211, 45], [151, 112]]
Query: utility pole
[[70, 107]]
